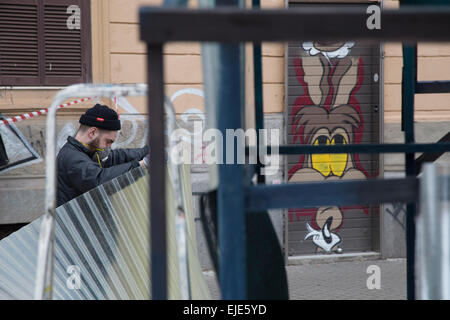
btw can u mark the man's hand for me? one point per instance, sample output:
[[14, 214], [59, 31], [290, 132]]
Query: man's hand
[[145, 163]]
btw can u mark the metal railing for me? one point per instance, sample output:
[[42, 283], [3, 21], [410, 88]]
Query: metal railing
[[230, 26], [44, 272]]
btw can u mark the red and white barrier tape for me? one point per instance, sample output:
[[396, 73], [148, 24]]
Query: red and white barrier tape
[[38, 113]]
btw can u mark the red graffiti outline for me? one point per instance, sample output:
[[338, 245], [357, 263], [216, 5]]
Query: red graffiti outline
[[305, 100]]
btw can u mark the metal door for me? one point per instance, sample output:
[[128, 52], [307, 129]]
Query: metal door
[[333, 97]]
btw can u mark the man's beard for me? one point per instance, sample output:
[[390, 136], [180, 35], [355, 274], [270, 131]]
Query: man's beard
[[94, 145], [99, 153]]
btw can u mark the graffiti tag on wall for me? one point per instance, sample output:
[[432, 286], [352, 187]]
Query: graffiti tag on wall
[[133, 133]]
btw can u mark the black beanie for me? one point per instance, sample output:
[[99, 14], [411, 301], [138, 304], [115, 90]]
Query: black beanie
[[101, 116]]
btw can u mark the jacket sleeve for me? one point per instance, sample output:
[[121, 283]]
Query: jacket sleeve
[[120, 156], [86, 175]]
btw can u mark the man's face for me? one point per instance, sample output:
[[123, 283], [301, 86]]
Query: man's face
[[102, 139]]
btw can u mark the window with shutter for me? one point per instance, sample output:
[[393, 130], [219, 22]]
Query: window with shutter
[[19, 54], [38, 48]]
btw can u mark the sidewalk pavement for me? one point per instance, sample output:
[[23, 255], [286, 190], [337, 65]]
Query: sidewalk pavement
[[339, 281]]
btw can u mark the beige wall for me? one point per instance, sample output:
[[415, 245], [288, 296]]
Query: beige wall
[[433, 64], [183, 65], [118, 56]]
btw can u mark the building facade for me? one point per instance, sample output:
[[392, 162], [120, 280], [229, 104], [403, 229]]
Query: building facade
[[315, 93]]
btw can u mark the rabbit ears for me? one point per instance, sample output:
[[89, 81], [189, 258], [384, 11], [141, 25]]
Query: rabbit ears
[[330, 81]]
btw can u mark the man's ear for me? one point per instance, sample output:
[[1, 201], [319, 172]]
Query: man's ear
[[92, 132]]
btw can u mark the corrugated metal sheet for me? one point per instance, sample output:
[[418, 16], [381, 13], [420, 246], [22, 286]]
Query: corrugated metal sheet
[[104, 234]]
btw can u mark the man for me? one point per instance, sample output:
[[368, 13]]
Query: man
[[86, 160]]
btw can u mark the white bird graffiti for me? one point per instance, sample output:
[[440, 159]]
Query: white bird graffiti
[[324, 238]]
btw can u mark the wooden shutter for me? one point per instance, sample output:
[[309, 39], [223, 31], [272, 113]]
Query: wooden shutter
[[37, 47], [19, 54], [65, 50]]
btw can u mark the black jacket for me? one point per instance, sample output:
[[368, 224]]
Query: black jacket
[[79, 173]]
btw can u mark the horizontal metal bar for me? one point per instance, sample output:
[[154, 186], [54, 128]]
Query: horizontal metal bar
[[159, 25], [335, 193], [365, 148], [433, 87]]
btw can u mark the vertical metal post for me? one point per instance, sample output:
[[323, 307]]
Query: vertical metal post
[[429, 246], [409, 79], [231, 214], [228, 99], [180, 217], [408, 90], [433, 234], [156, 140], [445, 232], [259, 109]]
